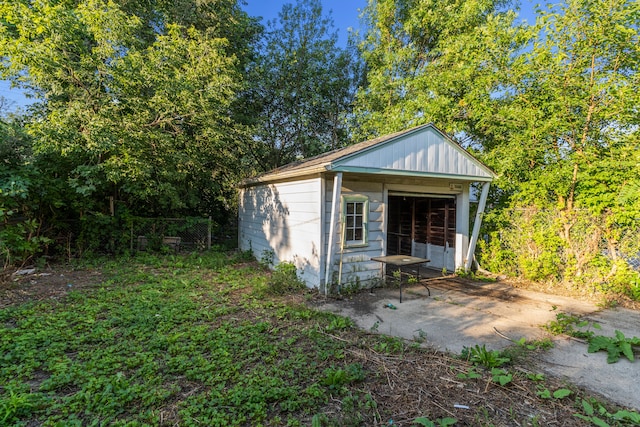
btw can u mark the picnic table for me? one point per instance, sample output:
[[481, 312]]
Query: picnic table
[[402, 261]]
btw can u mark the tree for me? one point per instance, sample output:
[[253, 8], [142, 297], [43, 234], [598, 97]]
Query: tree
[[551, 107], [565, 134], [137, 96], [304, 87], [429, 61]]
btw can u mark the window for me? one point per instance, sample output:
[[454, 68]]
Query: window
[[355, 220]]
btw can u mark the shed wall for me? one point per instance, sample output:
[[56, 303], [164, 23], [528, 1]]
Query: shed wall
[[357, 267], [283, 221]]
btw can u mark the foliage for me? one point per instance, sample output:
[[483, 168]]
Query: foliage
[[595, 412], [301, 86], [166, 331], [284, 279], [551, 106], [571, 325], [614, 346], [501, 376], [545, 393], [21, 187], [134, 97], [442, 422], [187, 339], [337, 378], [428, 61], [481, 356]]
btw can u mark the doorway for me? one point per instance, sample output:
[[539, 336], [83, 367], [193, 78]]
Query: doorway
[[423, 226]]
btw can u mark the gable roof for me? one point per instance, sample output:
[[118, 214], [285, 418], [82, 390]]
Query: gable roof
[[420, 151]]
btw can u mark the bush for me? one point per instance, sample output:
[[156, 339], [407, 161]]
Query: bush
[[284, 279]]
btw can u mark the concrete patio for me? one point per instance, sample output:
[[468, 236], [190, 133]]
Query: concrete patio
[[460, 313]]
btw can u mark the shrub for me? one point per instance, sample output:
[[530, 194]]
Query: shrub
[[284, 279]]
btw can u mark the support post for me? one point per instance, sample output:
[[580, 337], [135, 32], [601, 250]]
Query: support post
[[335, 212], [476, 225]]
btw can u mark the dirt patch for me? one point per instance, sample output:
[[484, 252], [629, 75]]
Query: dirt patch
[[21, 286]]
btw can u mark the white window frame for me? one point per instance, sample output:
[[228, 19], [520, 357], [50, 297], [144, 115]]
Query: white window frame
[[350, 221]]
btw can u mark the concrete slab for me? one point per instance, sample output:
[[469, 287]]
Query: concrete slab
[[461, 313]]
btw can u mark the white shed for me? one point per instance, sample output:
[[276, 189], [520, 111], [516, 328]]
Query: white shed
[[401, 194]]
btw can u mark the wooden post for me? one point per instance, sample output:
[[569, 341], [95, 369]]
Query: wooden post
[[335, 212], [476, 225]]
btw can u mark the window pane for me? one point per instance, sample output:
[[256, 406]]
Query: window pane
[[350, 221], [359, 206], [350, 208], [349, 235], [358, 234], [359, 222]]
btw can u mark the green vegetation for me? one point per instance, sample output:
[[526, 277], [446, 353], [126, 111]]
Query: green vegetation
[[192, 339], [615, 346], [157, 108], [189, 330]]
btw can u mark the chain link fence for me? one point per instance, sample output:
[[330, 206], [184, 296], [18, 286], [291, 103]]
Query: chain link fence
[[177, 234]]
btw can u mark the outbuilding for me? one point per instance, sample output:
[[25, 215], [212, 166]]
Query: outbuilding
[[407, 193]]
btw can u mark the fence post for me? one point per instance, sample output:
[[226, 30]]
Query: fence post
[[209, 234]]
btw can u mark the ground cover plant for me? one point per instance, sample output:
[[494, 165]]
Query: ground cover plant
[[203, 339]]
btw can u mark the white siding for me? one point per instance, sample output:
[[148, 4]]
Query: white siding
[[357, 267], [284, 219], [426, 152]]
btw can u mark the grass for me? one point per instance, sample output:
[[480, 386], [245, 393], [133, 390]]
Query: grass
[[165, 339], [201, 340]]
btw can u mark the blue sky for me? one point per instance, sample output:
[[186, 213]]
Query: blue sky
[[345, 14]]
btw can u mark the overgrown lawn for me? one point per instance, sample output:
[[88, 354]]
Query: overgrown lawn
[[198, 340]]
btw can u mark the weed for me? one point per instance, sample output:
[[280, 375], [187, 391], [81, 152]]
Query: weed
[[596, 413], [420, 337], [543, 344], [535, 377], [545, 393], [614, 346], [15, 403], [389, 345], [284, 279], [469, 375], [487, 358], [340, 323], [568, 324], [337, 378], [375, 326], [501, 376], [440, 422]]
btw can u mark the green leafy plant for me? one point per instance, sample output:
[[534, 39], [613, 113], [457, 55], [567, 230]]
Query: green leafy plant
[[337, 378], [501, 376], [481, 356], [17, 402], [545, 393], [543, 344], [469, 375], [614, 346], [569, 324], [284, 279], [598, 415], [440, 422]]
